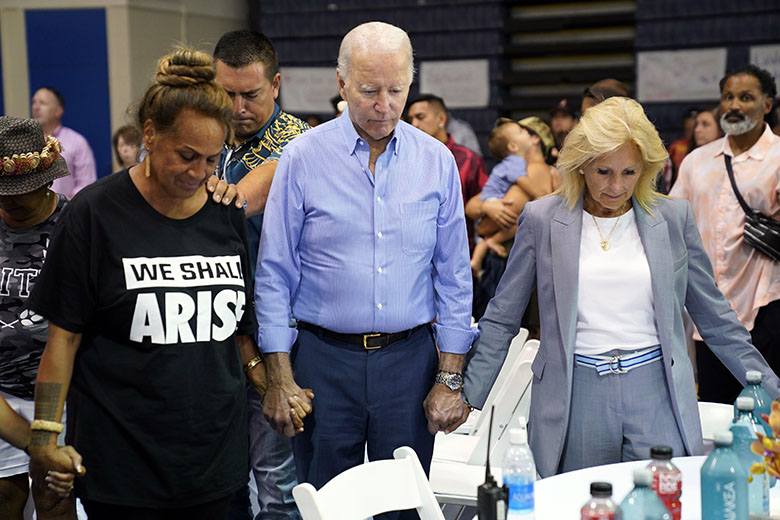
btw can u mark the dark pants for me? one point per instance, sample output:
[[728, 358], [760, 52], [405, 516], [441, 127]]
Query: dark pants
[[363, 399], [216, 510], [716, 383]]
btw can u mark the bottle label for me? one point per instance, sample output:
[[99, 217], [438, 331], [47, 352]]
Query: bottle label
[[729, 498], [521, 497], [668, 487], [667, 484]]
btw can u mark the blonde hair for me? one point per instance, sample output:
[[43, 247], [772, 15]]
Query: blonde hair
[[603, 129], [184, 79]]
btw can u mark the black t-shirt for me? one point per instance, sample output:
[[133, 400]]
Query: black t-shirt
[[157, 402], [22, 332]]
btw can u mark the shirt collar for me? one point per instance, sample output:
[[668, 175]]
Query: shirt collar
[[352, 139], [757, 151]]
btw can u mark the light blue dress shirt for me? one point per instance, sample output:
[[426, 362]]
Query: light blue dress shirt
[[357, 253], [503, 176]]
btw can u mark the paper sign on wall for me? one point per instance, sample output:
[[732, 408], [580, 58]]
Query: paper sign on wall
[[308, 89], [767, 57], [461, 83], [680, 75]]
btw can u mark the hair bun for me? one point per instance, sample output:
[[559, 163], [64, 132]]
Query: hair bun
[[185, 67]]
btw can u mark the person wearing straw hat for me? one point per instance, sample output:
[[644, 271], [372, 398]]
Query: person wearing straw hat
[[28, 212]]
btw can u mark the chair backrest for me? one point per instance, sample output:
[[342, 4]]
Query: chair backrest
[[714, 417], [512, 401], [370, 489], [516, 347]]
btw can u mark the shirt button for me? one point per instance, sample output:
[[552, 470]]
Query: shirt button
[[378, 305], [379, 234], [379, 199], [378, 269]]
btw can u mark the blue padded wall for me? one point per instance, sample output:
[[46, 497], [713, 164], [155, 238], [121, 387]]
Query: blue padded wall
[[308, 33], [66, 48]]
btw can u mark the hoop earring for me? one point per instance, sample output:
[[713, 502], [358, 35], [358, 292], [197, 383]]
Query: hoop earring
[[147, 166]]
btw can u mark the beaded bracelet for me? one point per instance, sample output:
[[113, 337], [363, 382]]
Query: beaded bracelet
[[47, 426]]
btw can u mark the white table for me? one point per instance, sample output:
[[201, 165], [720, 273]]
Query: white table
[[560, 497]]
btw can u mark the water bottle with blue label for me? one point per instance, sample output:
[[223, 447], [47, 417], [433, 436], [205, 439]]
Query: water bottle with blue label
[[762, 403], [744, 430], [724, 482], [519, 473]]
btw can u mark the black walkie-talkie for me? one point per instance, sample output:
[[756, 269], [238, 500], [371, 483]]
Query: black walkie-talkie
[[491, 498]]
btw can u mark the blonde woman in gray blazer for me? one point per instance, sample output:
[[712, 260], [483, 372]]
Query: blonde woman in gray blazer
[[614, 263]]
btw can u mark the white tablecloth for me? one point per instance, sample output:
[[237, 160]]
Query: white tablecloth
[[560, 497]]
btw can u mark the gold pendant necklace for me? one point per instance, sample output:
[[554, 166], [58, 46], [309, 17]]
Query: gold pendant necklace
[[605, 241]]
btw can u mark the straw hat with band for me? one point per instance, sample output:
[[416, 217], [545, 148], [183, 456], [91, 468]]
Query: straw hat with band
[[28, 160]]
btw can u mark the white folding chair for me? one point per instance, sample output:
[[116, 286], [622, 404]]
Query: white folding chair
[[714, 417], [370, 489], [515, 348], [456, 456], [512, 402]]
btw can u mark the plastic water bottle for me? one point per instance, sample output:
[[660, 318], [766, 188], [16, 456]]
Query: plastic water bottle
[[744, 432], [519, 473], [762, 403], [600, 506], [642, 503], [667, 479], [724, 493]]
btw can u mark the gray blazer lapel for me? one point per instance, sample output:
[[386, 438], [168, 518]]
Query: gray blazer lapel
[[565, 233], [654, 233]]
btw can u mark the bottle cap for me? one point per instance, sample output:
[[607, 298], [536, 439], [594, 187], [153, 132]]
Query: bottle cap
[[643, 477], [518, 436], [601, 489], [745, 404], [661, 452], [753, 376], [724, 438]]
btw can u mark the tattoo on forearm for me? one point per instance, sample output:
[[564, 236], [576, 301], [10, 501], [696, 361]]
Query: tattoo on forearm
[[47, 400]]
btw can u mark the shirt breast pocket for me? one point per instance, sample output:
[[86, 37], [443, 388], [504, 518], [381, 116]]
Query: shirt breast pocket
[[418, 226]]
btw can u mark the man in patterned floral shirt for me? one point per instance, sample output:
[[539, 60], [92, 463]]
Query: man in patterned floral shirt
[[248, 70]]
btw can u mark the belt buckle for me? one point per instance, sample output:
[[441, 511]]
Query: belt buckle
[[615, 361], [373, 335]]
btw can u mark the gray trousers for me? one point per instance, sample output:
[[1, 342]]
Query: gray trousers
[[619, 417]]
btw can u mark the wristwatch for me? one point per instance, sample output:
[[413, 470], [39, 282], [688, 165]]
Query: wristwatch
[[451, 380]]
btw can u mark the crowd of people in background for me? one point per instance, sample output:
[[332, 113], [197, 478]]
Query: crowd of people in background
[[250, 291]]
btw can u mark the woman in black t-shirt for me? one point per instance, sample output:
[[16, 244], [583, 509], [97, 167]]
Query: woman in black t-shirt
[[149, 297]]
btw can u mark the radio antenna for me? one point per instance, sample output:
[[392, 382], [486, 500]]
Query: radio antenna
[[488, 476]]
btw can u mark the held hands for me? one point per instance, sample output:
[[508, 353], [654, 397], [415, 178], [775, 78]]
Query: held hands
[[57, 467], [223, 192], [298, 407], [285, 405], [444, 409], [500, 212]]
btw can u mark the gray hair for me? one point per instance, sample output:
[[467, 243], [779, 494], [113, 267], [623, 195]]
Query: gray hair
[[375, 36]]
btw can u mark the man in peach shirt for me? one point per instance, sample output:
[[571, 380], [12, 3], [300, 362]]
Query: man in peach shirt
[[748, 279]]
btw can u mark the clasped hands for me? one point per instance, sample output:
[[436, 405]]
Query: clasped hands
[[54, 468]]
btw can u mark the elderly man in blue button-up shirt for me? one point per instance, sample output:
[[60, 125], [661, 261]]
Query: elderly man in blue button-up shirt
[[364, 245]]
